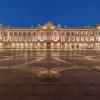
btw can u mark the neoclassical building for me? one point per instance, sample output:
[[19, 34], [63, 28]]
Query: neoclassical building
[[50, 36]]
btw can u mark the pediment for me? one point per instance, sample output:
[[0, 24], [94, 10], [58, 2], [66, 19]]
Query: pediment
[[49, 25]]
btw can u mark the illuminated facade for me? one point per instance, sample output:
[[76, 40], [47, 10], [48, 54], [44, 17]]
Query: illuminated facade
[[50, 37]]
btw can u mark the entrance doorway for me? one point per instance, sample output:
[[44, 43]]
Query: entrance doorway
[[48, 45]]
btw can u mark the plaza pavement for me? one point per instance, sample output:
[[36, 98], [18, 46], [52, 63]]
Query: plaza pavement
[[79, 75]]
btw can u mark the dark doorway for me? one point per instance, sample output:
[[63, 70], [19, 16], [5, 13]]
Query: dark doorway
[[48, 45]]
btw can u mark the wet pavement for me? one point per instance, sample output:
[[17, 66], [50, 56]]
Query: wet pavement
[[22, 75]]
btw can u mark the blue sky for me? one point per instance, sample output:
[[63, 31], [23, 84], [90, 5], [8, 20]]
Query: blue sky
[[64, 12]]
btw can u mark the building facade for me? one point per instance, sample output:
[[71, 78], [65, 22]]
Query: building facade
[[50, 36]]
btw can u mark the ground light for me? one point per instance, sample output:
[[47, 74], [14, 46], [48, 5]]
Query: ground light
[[49, 75]]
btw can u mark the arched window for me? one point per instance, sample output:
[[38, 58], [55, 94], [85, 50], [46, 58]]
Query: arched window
[[20, 33], [15, 33], [72, 33], [68, 34]]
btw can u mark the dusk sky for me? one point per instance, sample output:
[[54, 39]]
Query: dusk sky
[[64, 12]]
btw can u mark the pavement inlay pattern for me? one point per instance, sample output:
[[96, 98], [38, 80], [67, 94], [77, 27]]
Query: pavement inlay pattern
[[79, 75]]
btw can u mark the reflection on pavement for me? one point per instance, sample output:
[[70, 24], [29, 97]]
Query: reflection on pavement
[[39, 61]]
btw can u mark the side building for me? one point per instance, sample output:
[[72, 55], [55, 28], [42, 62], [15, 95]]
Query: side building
[[50, 36]]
